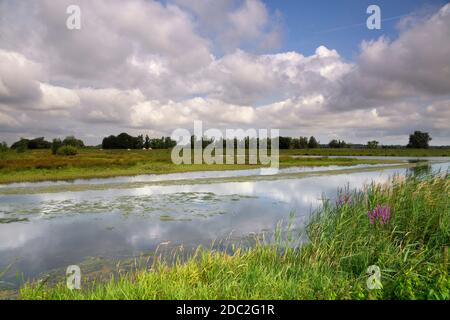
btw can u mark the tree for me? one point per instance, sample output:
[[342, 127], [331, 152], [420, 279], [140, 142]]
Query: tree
[[147, 142], [312, 143], [285, 142], [337, 144], [72, 141], [125, 141], [299, 143], [169, 143], [419, 140], [333, 144], [3, 146], [303, 142], [21, 144], [139, 142], [56, 144], [39, 143], [372, 144]]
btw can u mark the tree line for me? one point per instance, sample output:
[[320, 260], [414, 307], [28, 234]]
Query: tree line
[[126, 141], [418, 140]]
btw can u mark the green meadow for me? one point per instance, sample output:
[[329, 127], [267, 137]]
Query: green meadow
[[40, 165]]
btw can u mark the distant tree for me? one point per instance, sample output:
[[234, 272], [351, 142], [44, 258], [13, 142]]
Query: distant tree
[[337, 144], [147, 142], [372, 144], [56, 144], [303, 142], [299, 143], [72, 141], [139, 142], [419, 140], [3, 146], [333, 144], [108, 142], [39, 143], [169, 143], [285, 142], [122, 141], [125, 141], [22, 144], [312, 143]]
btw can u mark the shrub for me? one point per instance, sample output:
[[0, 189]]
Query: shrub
[[21, 149], [21, 144], [56, 144], [72, 141], [67, 151], [3, 146]]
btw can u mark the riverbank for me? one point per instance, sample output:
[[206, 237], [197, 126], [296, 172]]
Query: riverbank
[[41, 165], [379, 152], [409, 245]]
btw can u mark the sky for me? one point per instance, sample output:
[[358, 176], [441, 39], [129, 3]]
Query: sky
[[150, 67]]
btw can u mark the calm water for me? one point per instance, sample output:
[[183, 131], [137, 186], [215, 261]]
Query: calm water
[[44, 231], [177, 176]]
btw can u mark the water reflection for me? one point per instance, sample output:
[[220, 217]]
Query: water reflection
[[421, 170], [179, 176], [40, 232]]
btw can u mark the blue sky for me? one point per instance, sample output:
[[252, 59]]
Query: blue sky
[[308, 23]]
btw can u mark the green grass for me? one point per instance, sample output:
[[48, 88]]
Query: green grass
[[40, 165], [411, 251]]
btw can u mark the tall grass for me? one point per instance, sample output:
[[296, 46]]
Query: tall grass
[[410, 248]]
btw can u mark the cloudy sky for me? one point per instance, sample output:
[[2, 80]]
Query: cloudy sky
[[305, 67]]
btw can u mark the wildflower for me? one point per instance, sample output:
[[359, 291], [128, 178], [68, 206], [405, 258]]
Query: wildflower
[[380, 213], [343, 200]]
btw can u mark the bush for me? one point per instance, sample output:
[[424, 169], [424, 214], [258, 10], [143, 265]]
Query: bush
[[22, 144], [72, 141], [67, 151], [3, 146], [56, 144], [21, 149]]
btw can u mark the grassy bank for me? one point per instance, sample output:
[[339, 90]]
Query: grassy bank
[[394, 152], [410, 247], [39, 165]]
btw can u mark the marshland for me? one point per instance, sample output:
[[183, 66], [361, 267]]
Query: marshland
[[143, 228]]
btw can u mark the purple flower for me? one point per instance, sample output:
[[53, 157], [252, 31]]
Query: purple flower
[[380, 213], [343, 200]]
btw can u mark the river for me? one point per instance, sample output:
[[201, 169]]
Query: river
[[49, 225]]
